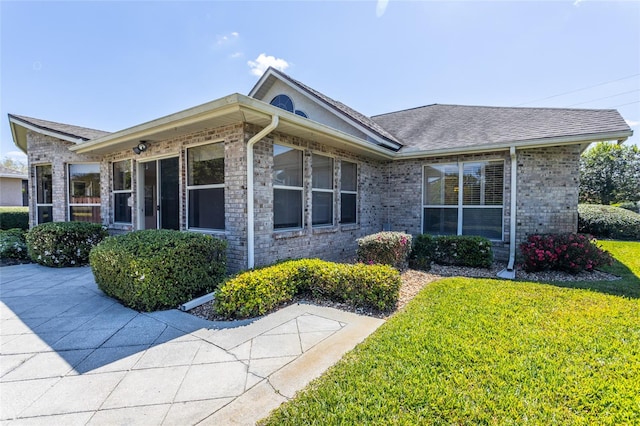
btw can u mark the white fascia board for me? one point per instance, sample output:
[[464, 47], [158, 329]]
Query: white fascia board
[[315, 127], [324, 106], [185, 117], [17, 122], [528, 144]]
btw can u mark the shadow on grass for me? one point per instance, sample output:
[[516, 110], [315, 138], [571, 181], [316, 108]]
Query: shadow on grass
[[627, 286]]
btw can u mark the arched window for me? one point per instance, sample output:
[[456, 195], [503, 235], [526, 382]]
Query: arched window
[[284, 102]]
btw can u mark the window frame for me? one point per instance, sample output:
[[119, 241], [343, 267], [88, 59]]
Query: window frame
[[349, 192], [460, 206], [70, 205], [330, 190], [115, 191], [190, 188], [299, 189], [37, 182]]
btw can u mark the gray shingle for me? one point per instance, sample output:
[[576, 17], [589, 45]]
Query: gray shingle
[[66, 129], [435, 127]]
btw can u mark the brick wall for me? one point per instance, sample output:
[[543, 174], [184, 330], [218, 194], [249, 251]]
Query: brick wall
[[548, 184]]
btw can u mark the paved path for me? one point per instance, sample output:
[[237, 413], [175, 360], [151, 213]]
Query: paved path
[[71, 355]]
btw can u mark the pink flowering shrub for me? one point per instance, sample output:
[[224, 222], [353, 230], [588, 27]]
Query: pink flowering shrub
[[572, 253], [385, 248]]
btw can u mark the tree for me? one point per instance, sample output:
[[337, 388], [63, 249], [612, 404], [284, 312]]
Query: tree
[[13, 164], [610, 173]]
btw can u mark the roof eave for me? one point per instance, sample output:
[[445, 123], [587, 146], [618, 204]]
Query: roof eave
[[523, 144], [20, 137]]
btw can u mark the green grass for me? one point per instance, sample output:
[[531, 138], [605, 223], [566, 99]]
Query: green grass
[[481, 351]]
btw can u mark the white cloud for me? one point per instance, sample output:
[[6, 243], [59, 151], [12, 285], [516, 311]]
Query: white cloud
[[224, 39], [262, 62], [236, 55], [577, 2], [381, 7], [632, 123]]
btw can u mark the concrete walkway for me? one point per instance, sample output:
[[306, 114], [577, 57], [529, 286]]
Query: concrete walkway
[[71, 355]]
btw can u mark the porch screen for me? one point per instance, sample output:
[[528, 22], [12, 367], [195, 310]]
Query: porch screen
[[464, 199], [44, 193], [84, 192], [121, 185], [205, 186]]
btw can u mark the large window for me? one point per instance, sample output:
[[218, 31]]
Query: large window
[[44, 195], [122, 191], [322, 190], [464, 199], [84, 192], [348, 192], [205, 186], [287, 187]]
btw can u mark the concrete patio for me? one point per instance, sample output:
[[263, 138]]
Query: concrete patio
[[71, 355]]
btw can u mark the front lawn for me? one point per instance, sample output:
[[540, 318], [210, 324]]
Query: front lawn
[[482, 351]]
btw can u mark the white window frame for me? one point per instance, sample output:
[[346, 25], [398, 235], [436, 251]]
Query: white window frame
[[325, 190], [197, 187], [38, 205], [300, 189], [460, 206], [69, 203], [121, 191], [342, 191]]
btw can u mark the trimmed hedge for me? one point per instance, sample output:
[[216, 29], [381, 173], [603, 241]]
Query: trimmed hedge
[[14, 217], [13, 244], [257, 292], [385, 248], [608, 222], [158, 269], [60, 244], [572, 253], [460, 250]]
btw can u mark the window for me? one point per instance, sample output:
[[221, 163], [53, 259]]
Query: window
[[322, 190], [44, 196], [286, 103], [205, 186], [84, 192], [464, 199], [122, 191], [287, 187], [348, 192]]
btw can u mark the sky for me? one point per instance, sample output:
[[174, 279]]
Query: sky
[[111, 65]]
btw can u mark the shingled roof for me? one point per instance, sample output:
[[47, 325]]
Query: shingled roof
[[442, 127], [76, 132]]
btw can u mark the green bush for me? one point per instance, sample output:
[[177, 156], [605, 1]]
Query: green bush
[[257, 292], [13, 244], [629, 205], [157, 269], [572, 253], [423, 252], [14, 217], [385, 248], [460, 250], [608, 222], [60, 244], [464, 251]]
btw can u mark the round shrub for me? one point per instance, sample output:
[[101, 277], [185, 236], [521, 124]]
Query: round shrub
[[158, 269], [13, 244], [60, 244], [608, 222], [423, 252], [257, 292], [460, 250], [385, 248]]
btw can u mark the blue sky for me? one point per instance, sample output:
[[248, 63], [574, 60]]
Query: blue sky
[[110, 65]]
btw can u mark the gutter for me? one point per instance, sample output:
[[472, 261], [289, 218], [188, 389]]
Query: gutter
[[250, 202], [510, 272]]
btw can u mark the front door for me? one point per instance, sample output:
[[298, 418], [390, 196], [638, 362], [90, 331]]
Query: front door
[[160, 194]]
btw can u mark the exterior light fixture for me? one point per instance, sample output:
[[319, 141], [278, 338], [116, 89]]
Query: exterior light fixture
[[142, 147]]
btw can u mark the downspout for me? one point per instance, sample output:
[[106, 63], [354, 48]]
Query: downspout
[[250, 213], [510, 272]]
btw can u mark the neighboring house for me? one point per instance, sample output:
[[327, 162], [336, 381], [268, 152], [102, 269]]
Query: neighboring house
[[13, 187], [317, 173]]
